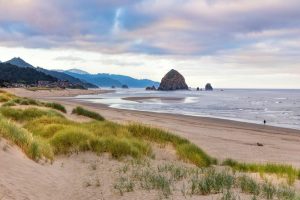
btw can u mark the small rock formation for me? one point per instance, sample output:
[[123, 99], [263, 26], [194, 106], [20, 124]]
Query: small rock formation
[[173, 80], [151, 88], [208, 87], [113, 86], [125, 86]]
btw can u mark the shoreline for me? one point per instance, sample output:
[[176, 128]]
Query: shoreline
[[220, 138]]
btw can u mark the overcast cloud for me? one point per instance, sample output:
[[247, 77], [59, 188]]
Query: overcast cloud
[[231, 43]]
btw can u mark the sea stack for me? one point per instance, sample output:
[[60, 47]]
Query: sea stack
[[173, 80], [151, 88], [208, 87]]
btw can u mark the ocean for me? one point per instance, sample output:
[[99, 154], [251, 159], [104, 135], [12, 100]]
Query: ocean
[[278, 107]]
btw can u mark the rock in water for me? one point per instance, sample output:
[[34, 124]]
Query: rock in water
[[173, 80], [208, 87], [151, 88]]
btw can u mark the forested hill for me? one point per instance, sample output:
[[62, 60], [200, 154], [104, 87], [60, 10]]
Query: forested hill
[[13, 74]]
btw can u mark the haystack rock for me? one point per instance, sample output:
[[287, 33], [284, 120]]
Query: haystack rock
[[173, 80], [208, 87]]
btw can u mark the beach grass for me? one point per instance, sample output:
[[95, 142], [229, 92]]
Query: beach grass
[[13, 101], [84, 112], [192, 181], [55, 106], [185, 149], [26, 114], [5, 96], [281, 170], [34, 147], [62, 136]]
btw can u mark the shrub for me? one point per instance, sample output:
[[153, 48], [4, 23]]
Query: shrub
[[81, 111]]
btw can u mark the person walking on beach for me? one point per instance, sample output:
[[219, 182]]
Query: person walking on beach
[[265, 122]]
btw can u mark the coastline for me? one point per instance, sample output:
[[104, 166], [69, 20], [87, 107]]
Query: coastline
[[220, 138]]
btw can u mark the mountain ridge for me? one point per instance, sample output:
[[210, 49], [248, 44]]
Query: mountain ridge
[[108, 80], [19, 62]]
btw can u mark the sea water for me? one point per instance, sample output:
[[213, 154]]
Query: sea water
[[278, 107]]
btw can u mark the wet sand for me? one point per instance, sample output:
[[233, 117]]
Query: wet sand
[[154, 99]]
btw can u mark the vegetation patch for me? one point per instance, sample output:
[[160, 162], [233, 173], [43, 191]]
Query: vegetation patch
[[56, 106], [28, 101], [186, 150], [34, 147], [281, 170], [26, 114], [84, 112], [5, 96], [192, 181]]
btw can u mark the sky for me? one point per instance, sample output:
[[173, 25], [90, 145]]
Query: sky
[[229, 43]]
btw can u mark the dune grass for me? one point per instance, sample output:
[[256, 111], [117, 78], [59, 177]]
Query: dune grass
[[281, 170], [61, 136], [192, 181], [34, 147], [13, 101], [186, 150], [5, 96], [55, 106], [84, 112], [26, 114]]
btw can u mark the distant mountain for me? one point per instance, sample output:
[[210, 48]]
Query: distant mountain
[[17, 61], [66, 77], [26, 75], [96, 80], [108, 80], [77, 71]]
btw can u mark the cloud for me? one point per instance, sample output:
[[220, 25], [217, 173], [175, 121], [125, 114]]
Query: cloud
[[210, 39], [181, 27], [69, 58]]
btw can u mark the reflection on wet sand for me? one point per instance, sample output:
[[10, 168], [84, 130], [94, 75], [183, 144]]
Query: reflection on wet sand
[[156, 99]]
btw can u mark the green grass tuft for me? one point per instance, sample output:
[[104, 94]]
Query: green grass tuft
[[81, 111], [35, 148], [56, 106], [26, 114], [71, 140], [186, 150], [279, 169]]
